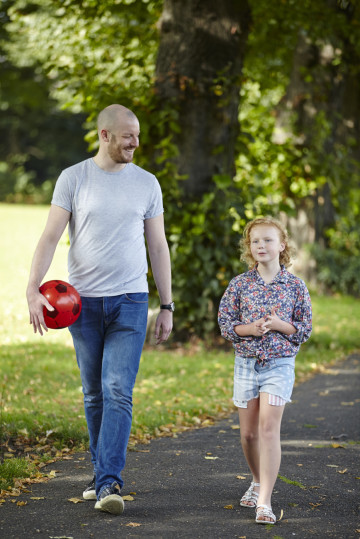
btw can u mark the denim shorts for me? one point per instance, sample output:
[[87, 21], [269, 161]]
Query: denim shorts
[[275, 377]]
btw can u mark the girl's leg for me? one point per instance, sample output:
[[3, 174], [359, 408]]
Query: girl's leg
[[270, 448], [249, 433]]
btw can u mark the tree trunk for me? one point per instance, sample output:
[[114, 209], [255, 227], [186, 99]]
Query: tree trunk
[[198, 73]]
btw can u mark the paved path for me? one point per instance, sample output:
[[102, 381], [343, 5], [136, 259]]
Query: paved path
[[180, 493]]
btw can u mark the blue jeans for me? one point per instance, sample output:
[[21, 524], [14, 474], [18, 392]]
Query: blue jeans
[[108, 338]]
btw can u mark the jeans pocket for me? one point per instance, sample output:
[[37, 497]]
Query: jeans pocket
[[137, 297]]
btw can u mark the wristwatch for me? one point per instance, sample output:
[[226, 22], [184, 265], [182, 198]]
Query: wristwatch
[[169, 307]]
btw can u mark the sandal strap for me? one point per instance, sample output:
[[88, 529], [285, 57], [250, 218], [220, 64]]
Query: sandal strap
[[263, 510], [250, 495]]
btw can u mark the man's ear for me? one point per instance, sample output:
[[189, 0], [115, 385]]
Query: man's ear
[[105, 135]]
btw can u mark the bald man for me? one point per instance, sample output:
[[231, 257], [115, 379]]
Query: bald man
[[110, 206]]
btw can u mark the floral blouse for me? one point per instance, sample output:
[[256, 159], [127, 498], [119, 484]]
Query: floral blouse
[[249, 298]]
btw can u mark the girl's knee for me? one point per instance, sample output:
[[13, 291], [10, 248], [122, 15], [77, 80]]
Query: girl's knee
[[249, 436], [269, 430]]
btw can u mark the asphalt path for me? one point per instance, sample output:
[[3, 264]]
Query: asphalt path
[[189, 486]]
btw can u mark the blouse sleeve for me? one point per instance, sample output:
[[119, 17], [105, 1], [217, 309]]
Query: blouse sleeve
[[229, 312], [302, 316]]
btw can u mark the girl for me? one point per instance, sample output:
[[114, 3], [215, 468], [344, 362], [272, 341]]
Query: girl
[[266, 313]]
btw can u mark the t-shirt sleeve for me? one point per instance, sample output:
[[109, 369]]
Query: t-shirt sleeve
[[156, 206], [64, 192]]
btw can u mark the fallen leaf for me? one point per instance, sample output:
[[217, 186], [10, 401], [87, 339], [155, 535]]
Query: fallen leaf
[[314, 505], [235, 427], [281, 515], [336, 446], [347, 403], [75, 500], [128, 498], [228, 507], [37, 498], [52, 473], [342, 471], [240, 477], [133, 524], [211, 458], [21, 503]]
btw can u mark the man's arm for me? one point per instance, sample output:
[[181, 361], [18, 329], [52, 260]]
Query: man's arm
[[161, 269], [57, 220]]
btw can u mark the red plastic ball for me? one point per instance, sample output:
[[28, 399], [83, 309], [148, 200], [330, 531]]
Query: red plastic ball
[[66, 302]]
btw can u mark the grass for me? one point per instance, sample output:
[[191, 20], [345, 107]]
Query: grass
[[18, 468], [40, 394]]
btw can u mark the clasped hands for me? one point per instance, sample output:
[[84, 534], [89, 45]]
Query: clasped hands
[[266, 323]]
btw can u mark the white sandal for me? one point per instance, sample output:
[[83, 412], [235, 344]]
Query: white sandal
[[263, 510], [250, 496]]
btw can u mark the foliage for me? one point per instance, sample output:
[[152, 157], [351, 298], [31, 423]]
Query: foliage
[[63, 61], [339, 263]]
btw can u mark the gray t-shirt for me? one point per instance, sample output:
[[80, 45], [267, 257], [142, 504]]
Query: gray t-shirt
[[107, 255]]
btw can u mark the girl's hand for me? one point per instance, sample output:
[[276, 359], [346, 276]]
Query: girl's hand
[[258, 328], [274, 323]]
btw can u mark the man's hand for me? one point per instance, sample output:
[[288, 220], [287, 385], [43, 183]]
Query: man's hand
[[163, 325], [36, 303]]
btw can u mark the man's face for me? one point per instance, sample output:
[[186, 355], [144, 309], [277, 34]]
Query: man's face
[[124, 141]]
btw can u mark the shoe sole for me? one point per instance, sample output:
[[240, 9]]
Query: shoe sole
[[113, 504], [89, 495], [265, 522]]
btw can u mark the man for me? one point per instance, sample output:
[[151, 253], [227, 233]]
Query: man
[[110, 204]]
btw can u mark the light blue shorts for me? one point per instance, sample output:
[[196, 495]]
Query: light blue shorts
[[275, 377]]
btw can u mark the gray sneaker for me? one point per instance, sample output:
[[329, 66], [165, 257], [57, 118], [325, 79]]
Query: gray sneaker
[[90, 492], [110, 500]]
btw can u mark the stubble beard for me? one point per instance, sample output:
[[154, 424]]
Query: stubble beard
[[120, 155]]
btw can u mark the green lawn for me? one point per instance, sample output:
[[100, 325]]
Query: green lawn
[[40, 393]]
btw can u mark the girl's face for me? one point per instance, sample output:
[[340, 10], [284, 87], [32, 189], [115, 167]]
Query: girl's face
[[265, 243]]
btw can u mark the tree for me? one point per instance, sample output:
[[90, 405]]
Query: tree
[[198, 73], [184, 68]]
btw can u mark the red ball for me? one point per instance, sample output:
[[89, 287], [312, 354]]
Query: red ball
[[66, 302]]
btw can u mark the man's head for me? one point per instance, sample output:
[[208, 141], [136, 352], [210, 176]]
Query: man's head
[[118, 130]]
